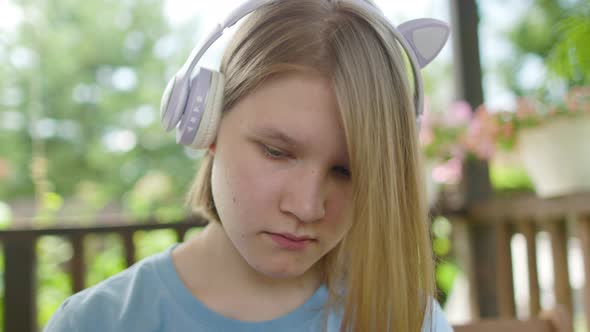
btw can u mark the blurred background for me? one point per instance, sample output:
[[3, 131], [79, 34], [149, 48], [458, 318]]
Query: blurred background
[[81, 145]]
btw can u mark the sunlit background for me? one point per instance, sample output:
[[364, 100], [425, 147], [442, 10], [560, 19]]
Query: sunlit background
[[80, 85]]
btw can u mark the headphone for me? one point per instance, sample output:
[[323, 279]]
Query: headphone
[[193, 103]]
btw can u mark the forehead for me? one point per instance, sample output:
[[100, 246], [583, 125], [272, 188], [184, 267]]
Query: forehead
[[301, 106]]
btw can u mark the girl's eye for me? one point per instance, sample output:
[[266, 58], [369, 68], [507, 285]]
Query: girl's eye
[[272, 153], [278, 154], [342, 171]]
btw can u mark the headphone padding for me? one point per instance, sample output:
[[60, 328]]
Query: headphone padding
[[212, 114]]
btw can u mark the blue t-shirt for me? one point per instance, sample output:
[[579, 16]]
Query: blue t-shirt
[[150, 297]]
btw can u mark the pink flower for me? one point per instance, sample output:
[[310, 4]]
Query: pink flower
[[449, 172], [578, 99], [525, 108], [426, 126], [426, 136], [481, 133], [506, 130], [459, 114]]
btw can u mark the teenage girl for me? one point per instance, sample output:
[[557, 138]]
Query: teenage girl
[[312, 182]]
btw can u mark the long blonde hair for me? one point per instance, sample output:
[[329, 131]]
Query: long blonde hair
[[381, 275]]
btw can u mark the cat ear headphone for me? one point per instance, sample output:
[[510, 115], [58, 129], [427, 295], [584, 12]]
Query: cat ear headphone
[[193, 103]]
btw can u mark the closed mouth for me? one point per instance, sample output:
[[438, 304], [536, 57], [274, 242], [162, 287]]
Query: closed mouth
[[294, 237]]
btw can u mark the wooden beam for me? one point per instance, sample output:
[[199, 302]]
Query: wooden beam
[[529, 207], [476, 184], [465, 22]]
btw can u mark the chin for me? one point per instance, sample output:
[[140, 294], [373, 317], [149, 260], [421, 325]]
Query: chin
[[281, 274], [281, 271]]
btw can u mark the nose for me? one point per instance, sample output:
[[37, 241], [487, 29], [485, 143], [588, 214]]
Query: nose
[[305, 196]]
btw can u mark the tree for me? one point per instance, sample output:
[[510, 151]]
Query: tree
[[82, 92], [556, 32]]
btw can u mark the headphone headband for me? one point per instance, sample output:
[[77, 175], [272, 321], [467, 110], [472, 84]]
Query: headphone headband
[[422, 40], [233, 17]]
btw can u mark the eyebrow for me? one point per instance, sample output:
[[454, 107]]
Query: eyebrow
[[281, 137], [277, 135]]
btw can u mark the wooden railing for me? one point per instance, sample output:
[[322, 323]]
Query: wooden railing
[[481, 237], [20, 261]]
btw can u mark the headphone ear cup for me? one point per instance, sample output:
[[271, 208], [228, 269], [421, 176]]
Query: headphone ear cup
[[194, 106], [173, 102], [212, 114], [166, 118]]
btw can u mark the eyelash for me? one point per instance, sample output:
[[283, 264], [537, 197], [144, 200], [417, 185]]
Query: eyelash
[[272, 153], [343, 171], [278, 154]]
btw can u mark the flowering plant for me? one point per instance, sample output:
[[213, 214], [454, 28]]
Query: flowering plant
[[489, 132], [440, 138]]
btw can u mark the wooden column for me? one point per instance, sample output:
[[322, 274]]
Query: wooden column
[[476, 185], [20, 289]]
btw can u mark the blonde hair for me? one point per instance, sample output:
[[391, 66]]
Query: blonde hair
[[381, 275]]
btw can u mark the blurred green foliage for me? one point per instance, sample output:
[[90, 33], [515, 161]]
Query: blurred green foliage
[[447, 268], [556, 32], [104, 257], [570, 56], [507, 178], [85, 79], [53, 281]]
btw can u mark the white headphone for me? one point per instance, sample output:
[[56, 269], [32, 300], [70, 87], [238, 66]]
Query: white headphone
[[194, 104]]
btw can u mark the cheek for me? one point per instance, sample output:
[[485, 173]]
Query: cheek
[[244, 189], [341, 212]]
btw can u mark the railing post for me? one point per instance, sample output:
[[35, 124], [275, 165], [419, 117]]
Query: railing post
[[464, 252], [505, 285], [20, 307], [557, 231], [129, 246], [483, 242], [583, 229], [77, 263], [181, 233], [528, 230]]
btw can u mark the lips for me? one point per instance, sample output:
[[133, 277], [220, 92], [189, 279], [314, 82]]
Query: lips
[[294, 237], [290, 241]]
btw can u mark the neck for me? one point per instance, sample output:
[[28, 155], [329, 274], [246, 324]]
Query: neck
[[228, 261], [218, 275]]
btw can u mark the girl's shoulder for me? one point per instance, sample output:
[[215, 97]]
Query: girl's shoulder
[[108, 305]]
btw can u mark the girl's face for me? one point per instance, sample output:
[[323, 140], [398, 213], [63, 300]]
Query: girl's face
[[280, 177]]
